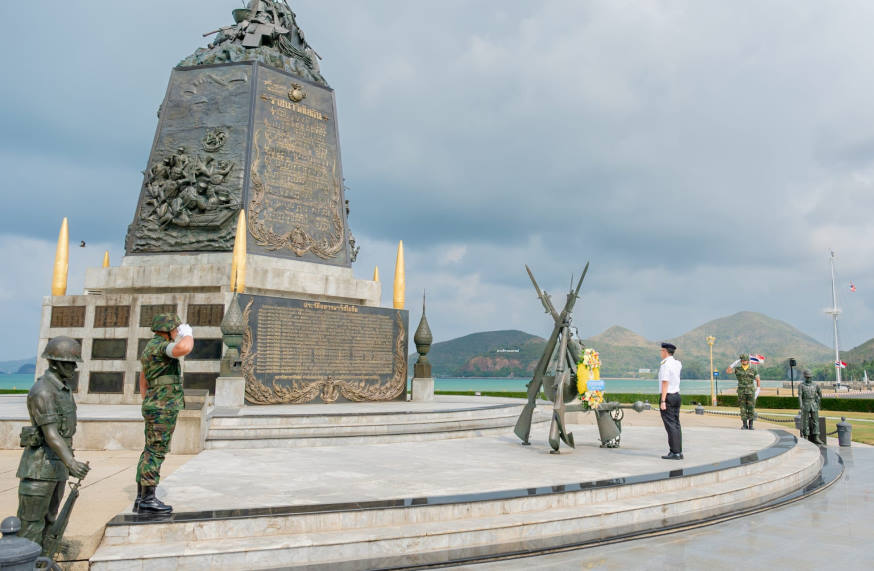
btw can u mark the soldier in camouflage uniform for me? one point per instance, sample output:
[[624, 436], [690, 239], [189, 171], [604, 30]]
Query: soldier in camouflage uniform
[[747, 382], [47, 460], [809, 398], [161, 389]]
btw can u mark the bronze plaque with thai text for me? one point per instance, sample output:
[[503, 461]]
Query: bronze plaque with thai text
[[111, 316], [205, 315], [295, 195], [68, 316], [298, 351], [147, 312]]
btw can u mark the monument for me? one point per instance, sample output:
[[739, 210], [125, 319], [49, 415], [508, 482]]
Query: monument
[[247, 132]]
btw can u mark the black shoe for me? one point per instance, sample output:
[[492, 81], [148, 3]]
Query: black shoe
[[744, 427], [139, 497], [751, 424], [151, 504], [673, 456]]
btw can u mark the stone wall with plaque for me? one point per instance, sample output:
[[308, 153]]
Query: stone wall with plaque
[[244, 135], [299, 351]]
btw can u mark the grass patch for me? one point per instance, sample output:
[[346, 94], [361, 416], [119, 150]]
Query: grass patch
[[862, 431]]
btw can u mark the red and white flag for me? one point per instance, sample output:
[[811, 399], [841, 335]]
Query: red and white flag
[[840, 364]]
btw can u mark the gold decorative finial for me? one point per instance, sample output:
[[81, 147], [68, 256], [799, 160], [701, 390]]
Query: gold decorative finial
[[62, 261], [400, 278], [376, 273], [238, 260], [106, 259]]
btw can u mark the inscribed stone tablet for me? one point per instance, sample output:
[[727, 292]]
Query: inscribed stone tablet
[[302, 351], [296, 201]]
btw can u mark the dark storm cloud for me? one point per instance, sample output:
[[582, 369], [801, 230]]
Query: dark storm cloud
[[704, 156]]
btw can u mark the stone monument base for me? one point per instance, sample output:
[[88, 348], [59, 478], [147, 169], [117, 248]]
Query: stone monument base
[[423, 389], [112, 319]]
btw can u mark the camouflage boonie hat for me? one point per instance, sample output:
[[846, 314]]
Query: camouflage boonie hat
[[63, 349], [166, 322], [744, 357]]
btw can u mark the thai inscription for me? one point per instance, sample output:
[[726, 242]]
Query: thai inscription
[[296, 197], [296, 351], [111, 316], [206, 314], [318, 340], [148, 312], [68, 316]]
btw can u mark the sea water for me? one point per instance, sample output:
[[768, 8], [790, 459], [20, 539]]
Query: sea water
[[651, 386], [16, 381], [687, 386]]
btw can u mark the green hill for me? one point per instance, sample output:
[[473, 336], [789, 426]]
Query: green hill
[[749, 331], [508, 353], [623, 352]]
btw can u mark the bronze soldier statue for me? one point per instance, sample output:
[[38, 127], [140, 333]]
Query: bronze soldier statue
[[47, 460], [161, 389], [809, 399]]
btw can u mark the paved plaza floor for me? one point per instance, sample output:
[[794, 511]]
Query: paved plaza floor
[[833, 529]]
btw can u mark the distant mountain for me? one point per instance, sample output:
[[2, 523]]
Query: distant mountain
[[750, 331], [11, 367], [506, 353], [617, 335], [624, 352], [26, 369]]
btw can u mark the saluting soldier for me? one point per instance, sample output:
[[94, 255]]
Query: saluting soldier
[[747, 382], [161, 389], [47, 460], [809, 398]]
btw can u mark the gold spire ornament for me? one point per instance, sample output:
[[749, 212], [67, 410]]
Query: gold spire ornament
[[400, 278], [238, 259], [106, 259], [376, 273], [62, 261]]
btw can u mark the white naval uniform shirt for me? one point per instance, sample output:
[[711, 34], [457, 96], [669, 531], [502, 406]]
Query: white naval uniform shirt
[[670, 371]]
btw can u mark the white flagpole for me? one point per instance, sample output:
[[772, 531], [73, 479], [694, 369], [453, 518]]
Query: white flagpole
[[834, 311]]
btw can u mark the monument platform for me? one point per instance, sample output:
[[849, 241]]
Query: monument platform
[[387, 505]]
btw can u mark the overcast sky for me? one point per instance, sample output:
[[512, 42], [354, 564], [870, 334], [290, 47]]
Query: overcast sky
[[705, 156]]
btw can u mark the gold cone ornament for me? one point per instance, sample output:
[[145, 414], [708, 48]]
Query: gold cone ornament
[[106, 259], [400, 278], [238, 260], [376, 273], [62, 261]]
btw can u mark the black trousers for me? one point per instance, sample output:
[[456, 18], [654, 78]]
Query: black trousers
[[671, 420]]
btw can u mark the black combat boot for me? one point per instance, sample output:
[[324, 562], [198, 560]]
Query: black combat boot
[[744, 427], [139, 497], [151, 504], [751, 424]]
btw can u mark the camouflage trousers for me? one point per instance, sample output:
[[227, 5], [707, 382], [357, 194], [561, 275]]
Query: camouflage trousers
[[38, 503], [746, 400], [160, 424]]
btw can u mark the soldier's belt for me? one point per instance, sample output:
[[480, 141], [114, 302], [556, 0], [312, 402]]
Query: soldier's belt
[[165, 380]]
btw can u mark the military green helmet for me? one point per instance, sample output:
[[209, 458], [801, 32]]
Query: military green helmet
[[166, 322], [63, 349], [744, 357], [807, 374]]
